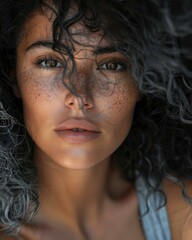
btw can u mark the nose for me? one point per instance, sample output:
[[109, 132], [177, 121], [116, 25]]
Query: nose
[[78, 102]]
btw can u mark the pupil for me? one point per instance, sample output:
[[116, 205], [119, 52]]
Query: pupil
[[50, 63], [111, 66]]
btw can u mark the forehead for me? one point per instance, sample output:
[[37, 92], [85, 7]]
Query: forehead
[[40, 27]]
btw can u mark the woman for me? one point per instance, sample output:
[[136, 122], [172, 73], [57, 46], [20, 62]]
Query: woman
[[90, 108]]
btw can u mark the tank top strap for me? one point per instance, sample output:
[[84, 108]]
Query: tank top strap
[[153, 212]]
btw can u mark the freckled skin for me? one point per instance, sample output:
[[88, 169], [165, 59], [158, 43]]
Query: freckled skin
[[78, 190], [44, 96]]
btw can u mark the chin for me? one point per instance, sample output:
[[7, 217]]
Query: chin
[[79, 164]]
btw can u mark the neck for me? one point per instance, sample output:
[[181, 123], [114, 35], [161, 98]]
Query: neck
[[71, 194]]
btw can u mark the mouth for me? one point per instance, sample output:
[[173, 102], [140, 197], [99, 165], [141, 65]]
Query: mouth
[[78, 125], [78, 131]]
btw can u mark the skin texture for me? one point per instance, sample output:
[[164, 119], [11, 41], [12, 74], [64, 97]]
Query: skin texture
[[79, 191], [179, 211], [47, 103]]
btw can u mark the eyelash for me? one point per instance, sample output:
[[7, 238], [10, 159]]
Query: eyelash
[[120, 65], [50, 59]]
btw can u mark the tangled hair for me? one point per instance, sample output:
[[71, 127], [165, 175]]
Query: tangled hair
[[177, 19], [153, 36]]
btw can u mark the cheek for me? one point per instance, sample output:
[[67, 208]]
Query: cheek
[[36, 99], [122, 104], [34, 88]]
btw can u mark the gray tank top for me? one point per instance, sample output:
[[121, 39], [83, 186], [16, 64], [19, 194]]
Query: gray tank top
[[154, 218]]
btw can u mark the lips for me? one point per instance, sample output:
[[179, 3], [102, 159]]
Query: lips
[[77, 131], [77, 124]]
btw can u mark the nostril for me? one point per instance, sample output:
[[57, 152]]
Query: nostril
[[72, 101]]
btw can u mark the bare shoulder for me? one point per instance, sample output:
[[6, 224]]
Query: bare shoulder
[[179, 210]]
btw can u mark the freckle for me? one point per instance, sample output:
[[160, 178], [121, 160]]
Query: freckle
[[117, 103]]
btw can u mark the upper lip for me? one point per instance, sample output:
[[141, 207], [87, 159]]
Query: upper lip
[[77, 124]]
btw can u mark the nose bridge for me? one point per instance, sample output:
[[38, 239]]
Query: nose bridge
[[81, 94], [83, 79], [81, 83]]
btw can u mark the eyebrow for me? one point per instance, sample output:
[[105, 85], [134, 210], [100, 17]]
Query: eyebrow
[[39, 44], [49, 44], [102, 50]]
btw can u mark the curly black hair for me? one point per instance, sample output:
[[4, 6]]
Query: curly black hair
[[154, 37]]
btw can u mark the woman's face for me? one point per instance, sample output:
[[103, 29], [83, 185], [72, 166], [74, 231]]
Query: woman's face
[[73, 133]]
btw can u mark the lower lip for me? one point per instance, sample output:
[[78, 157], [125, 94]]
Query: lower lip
[[77, 137]]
